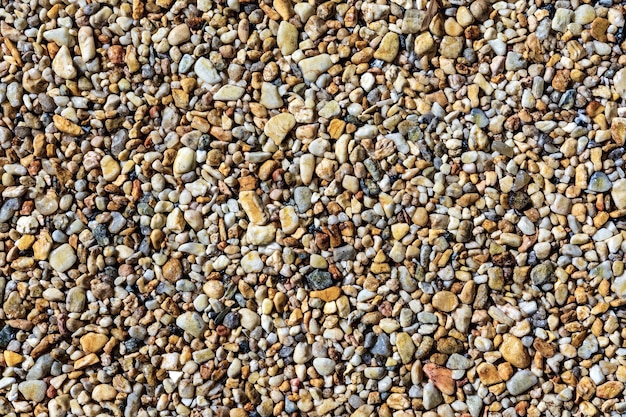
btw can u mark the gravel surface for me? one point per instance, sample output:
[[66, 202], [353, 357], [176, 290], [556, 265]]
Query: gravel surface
[[344, 208]]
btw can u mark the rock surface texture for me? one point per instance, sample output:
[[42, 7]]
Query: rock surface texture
[[312, 208]]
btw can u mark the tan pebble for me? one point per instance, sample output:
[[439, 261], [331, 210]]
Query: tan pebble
[[599, 28], [12, 358], [424, 43], [66, 126], [610, 390], [104, 392], [284, 8], [93, 342], [399, 230], [388, 48], [213, 289], [85, 361], [445, 301], [505, 370], [279, 126], [488, 374], [253, 206], [406, 347], [172, 270], [328, 294], [514, 352]]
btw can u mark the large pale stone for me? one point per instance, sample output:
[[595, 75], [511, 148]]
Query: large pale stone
[[260, 235], [205, 70], [229, 92], [618, 192], [289, 220], [192, 323], [104, 392], [315, 66], [287, 38], [62, 64], [62, 258], [184, 162], [279, 126]]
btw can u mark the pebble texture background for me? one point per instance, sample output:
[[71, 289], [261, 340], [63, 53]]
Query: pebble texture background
[[324, 208]]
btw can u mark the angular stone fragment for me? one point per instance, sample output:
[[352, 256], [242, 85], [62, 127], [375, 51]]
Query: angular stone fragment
[[62, 64], [618, 193], [388, 48], [66, 126], [192, 323], [319, 280], [315, 66], [514, 352], [441, 377], [93, 342], [253, 206], [279, 126]]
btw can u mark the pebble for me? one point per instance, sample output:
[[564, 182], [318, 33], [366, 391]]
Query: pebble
[[514, 352], [618, 193], [388, 48], [302, 353], [253, 207], [324, 366], [319, 279], [192, 323], [33, 390], [279, 126], [542, 273], [619, 82], [184, 162], [358, 209], [270, 97], [599, 183], [287, 38], [63, 258], [251, 262], [62, 64], [249, 319], [104, 392], [405, 346], [229, 92], [313, 67], [206, 71], [93, 342], [179, 35], [521, 382], [431, 396], [445, 301], [86, 43]]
